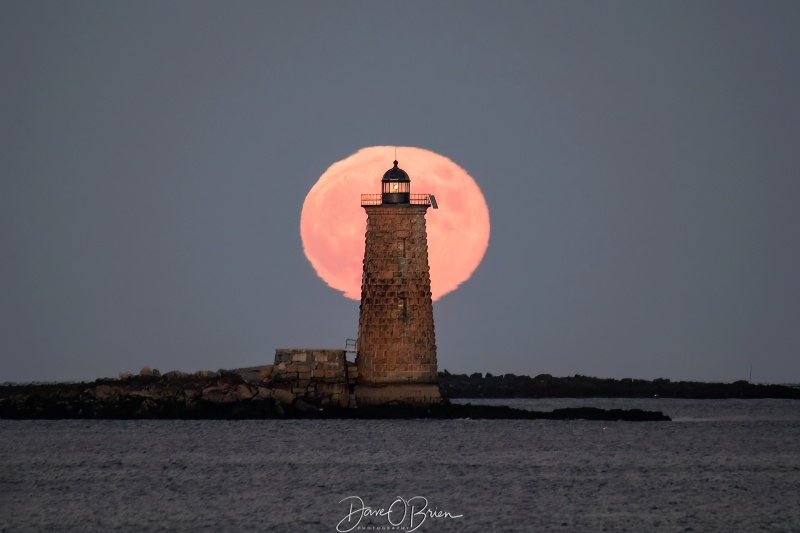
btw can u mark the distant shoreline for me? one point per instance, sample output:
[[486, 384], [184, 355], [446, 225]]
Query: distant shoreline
[[508, 386], [546, 386]]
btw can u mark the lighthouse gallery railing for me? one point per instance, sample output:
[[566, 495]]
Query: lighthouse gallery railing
[[377, 199]]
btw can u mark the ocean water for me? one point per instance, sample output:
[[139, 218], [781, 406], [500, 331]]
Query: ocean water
[[720, 466]]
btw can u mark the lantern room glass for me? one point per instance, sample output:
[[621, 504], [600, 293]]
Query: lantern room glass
[[394, 187]]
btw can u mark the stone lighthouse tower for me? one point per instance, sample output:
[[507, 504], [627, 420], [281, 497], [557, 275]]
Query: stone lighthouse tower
[[396, 353]]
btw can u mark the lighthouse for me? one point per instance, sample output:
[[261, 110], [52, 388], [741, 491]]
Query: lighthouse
[[396, 349]]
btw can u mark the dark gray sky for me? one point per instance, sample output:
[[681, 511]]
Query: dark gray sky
[[639, 159]]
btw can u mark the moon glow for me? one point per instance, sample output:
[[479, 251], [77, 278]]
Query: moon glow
[[333, 223]]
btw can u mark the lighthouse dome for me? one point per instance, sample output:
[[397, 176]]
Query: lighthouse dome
[[396, 174]]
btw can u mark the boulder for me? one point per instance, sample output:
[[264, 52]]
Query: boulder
[[146, 371], [263, 393], [231, 396], [215, 394], [283, 396], [192, 394], [265, 372], [175, 375], [243, 392], [103, 393]]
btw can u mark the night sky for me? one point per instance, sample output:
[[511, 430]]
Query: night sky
[[639, 160]]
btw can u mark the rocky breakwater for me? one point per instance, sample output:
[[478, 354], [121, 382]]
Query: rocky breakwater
[[248, 393], [203, 394]]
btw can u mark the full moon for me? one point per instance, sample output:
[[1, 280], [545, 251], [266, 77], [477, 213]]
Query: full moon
[[333, 223]]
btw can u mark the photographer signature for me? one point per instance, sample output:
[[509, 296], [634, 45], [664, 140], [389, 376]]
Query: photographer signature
[[413, 511]]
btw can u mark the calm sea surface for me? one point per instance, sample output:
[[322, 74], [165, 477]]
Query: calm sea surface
[[721, 465]]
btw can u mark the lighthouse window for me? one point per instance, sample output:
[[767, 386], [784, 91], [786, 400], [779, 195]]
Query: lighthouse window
[[401, 307], [402, 248]]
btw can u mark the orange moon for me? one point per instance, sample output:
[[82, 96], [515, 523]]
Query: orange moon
[[333, 223]]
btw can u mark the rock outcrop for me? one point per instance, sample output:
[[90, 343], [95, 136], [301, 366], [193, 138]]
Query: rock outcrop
[[239, 395]]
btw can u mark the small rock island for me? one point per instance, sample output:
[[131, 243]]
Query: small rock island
[[394, 375], [282, 391]]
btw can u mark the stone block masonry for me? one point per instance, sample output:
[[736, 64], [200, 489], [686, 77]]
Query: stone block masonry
[[322, 377], [396, 340]]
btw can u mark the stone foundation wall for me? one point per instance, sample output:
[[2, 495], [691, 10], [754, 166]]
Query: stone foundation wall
[[320, 377], [415, 394]]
